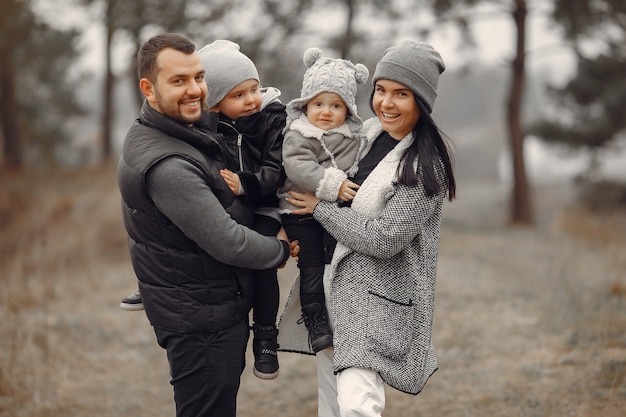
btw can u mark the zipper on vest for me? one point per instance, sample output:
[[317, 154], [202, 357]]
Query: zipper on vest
[[237, 283], [239, 140]]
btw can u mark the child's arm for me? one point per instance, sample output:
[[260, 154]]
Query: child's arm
[[347, 191], [269, 173], [232, 180], [300, 162]]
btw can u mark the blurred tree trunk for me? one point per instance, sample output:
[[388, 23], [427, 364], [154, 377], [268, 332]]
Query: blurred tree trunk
[[12, 26], [345, 44], [111, 21], [109, 84], [521, 212], [521, 207], [131, 17], [12, 146], [134, 75]]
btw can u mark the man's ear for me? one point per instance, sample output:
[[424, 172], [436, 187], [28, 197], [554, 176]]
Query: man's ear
[[146, 88]]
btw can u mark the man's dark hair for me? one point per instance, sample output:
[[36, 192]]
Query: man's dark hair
[[147, 55]]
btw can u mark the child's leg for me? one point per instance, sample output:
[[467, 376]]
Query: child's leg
[[265, 310], [309, 234], [266, 292]]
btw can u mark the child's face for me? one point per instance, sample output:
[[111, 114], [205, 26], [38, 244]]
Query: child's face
[[326, 111], [243, 100]]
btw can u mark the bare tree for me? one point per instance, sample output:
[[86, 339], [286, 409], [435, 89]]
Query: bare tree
[[110, 17], [130, 18], [521, 200], [521, 207], [15, 22], [591, 104], [33, 76]]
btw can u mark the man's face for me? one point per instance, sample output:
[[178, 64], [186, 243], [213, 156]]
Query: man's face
[[180, 90]]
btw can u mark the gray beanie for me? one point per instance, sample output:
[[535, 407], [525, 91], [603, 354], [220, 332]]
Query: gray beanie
[[414, 64], [225, 67], [327, 75]]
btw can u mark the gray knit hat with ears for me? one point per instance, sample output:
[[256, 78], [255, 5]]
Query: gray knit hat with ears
[[414, 64], [225, 67], [327, 75]]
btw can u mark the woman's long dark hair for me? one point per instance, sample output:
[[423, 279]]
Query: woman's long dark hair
[[429, 148]]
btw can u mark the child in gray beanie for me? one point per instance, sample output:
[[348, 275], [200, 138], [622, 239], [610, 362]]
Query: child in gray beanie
[[322, 139], [225, 67], [251, 119]]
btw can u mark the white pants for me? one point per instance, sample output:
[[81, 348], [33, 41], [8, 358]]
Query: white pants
[[354, 392]]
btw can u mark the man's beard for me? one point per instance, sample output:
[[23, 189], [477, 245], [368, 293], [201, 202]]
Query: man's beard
[[173, 110]]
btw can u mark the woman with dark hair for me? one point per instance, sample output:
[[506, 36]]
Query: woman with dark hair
[[381, 282]]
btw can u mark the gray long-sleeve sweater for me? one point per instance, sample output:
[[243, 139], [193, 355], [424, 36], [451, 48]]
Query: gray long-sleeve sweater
[[177, 189]]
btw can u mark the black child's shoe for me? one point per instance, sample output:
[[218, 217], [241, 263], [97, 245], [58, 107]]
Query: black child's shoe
[[316, 322], [132, 302], [265, 349]]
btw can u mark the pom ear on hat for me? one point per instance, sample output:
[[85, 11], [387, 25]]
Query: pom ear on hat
[[361, 73], [310, 56], [324, 74]]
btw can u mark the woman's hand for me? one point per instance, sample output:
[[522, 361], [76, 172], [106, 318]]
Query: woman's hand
[[306, 202]]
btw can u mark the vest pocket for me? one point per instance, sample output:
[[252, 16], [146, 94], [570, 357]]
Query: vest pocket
[[390, 328]]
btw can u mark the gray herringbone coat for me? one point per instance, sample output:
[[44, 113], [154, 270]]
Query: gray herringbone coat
[[382, 277]]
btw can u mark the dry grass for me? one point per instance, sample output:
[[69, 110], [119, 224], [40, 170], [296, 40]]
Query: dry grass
[[57, 229], [528, 322]]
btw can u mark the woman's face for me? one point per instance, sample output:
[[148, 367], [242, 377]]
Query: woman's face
[[395, 107]]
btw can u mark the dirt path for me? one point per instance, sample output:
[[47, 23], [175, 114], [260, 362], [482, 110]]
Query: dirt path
[[527, 323]]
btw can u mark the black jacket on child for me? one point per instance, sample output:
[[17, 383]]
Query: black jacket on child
[[255, 144]]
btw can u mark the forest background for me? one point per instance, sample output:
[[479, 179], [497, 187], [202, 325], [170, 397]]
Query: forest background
[[533, 99]]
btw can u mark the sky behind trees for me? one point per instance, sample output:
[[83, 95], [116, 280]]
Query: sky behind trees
[[274, 34], [494, 36]]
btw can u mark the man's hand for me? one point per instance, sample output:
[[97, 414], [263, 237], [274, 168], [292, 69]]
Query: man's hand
[[293, 246]]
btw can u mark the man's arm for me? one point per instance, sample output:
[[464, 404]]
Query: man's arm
[[179, 191]]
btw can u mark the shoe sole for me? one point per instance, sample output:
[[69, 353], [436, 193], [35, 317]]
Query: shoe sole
[[131, 307], [322, 343], [265, 376]]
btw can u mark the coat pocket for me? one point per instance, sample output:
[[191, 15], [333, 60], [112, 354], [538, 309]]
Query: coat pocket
[[391, 326]]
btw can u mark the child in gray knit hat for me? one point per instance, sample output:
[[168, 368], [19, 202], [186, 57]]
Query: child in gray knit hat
[[251, 119], [322, 139]]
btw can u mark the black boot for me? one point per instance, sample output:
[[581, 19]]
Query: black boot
[[316, 322], [264, 347]]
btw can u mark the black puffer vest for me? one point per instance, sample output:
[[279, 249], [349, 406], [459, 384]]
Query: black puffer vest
[[183, 288]]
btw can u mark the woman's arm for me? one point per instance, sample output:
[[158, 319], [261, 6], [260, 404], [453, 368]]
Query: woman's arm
[[401, 220]]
